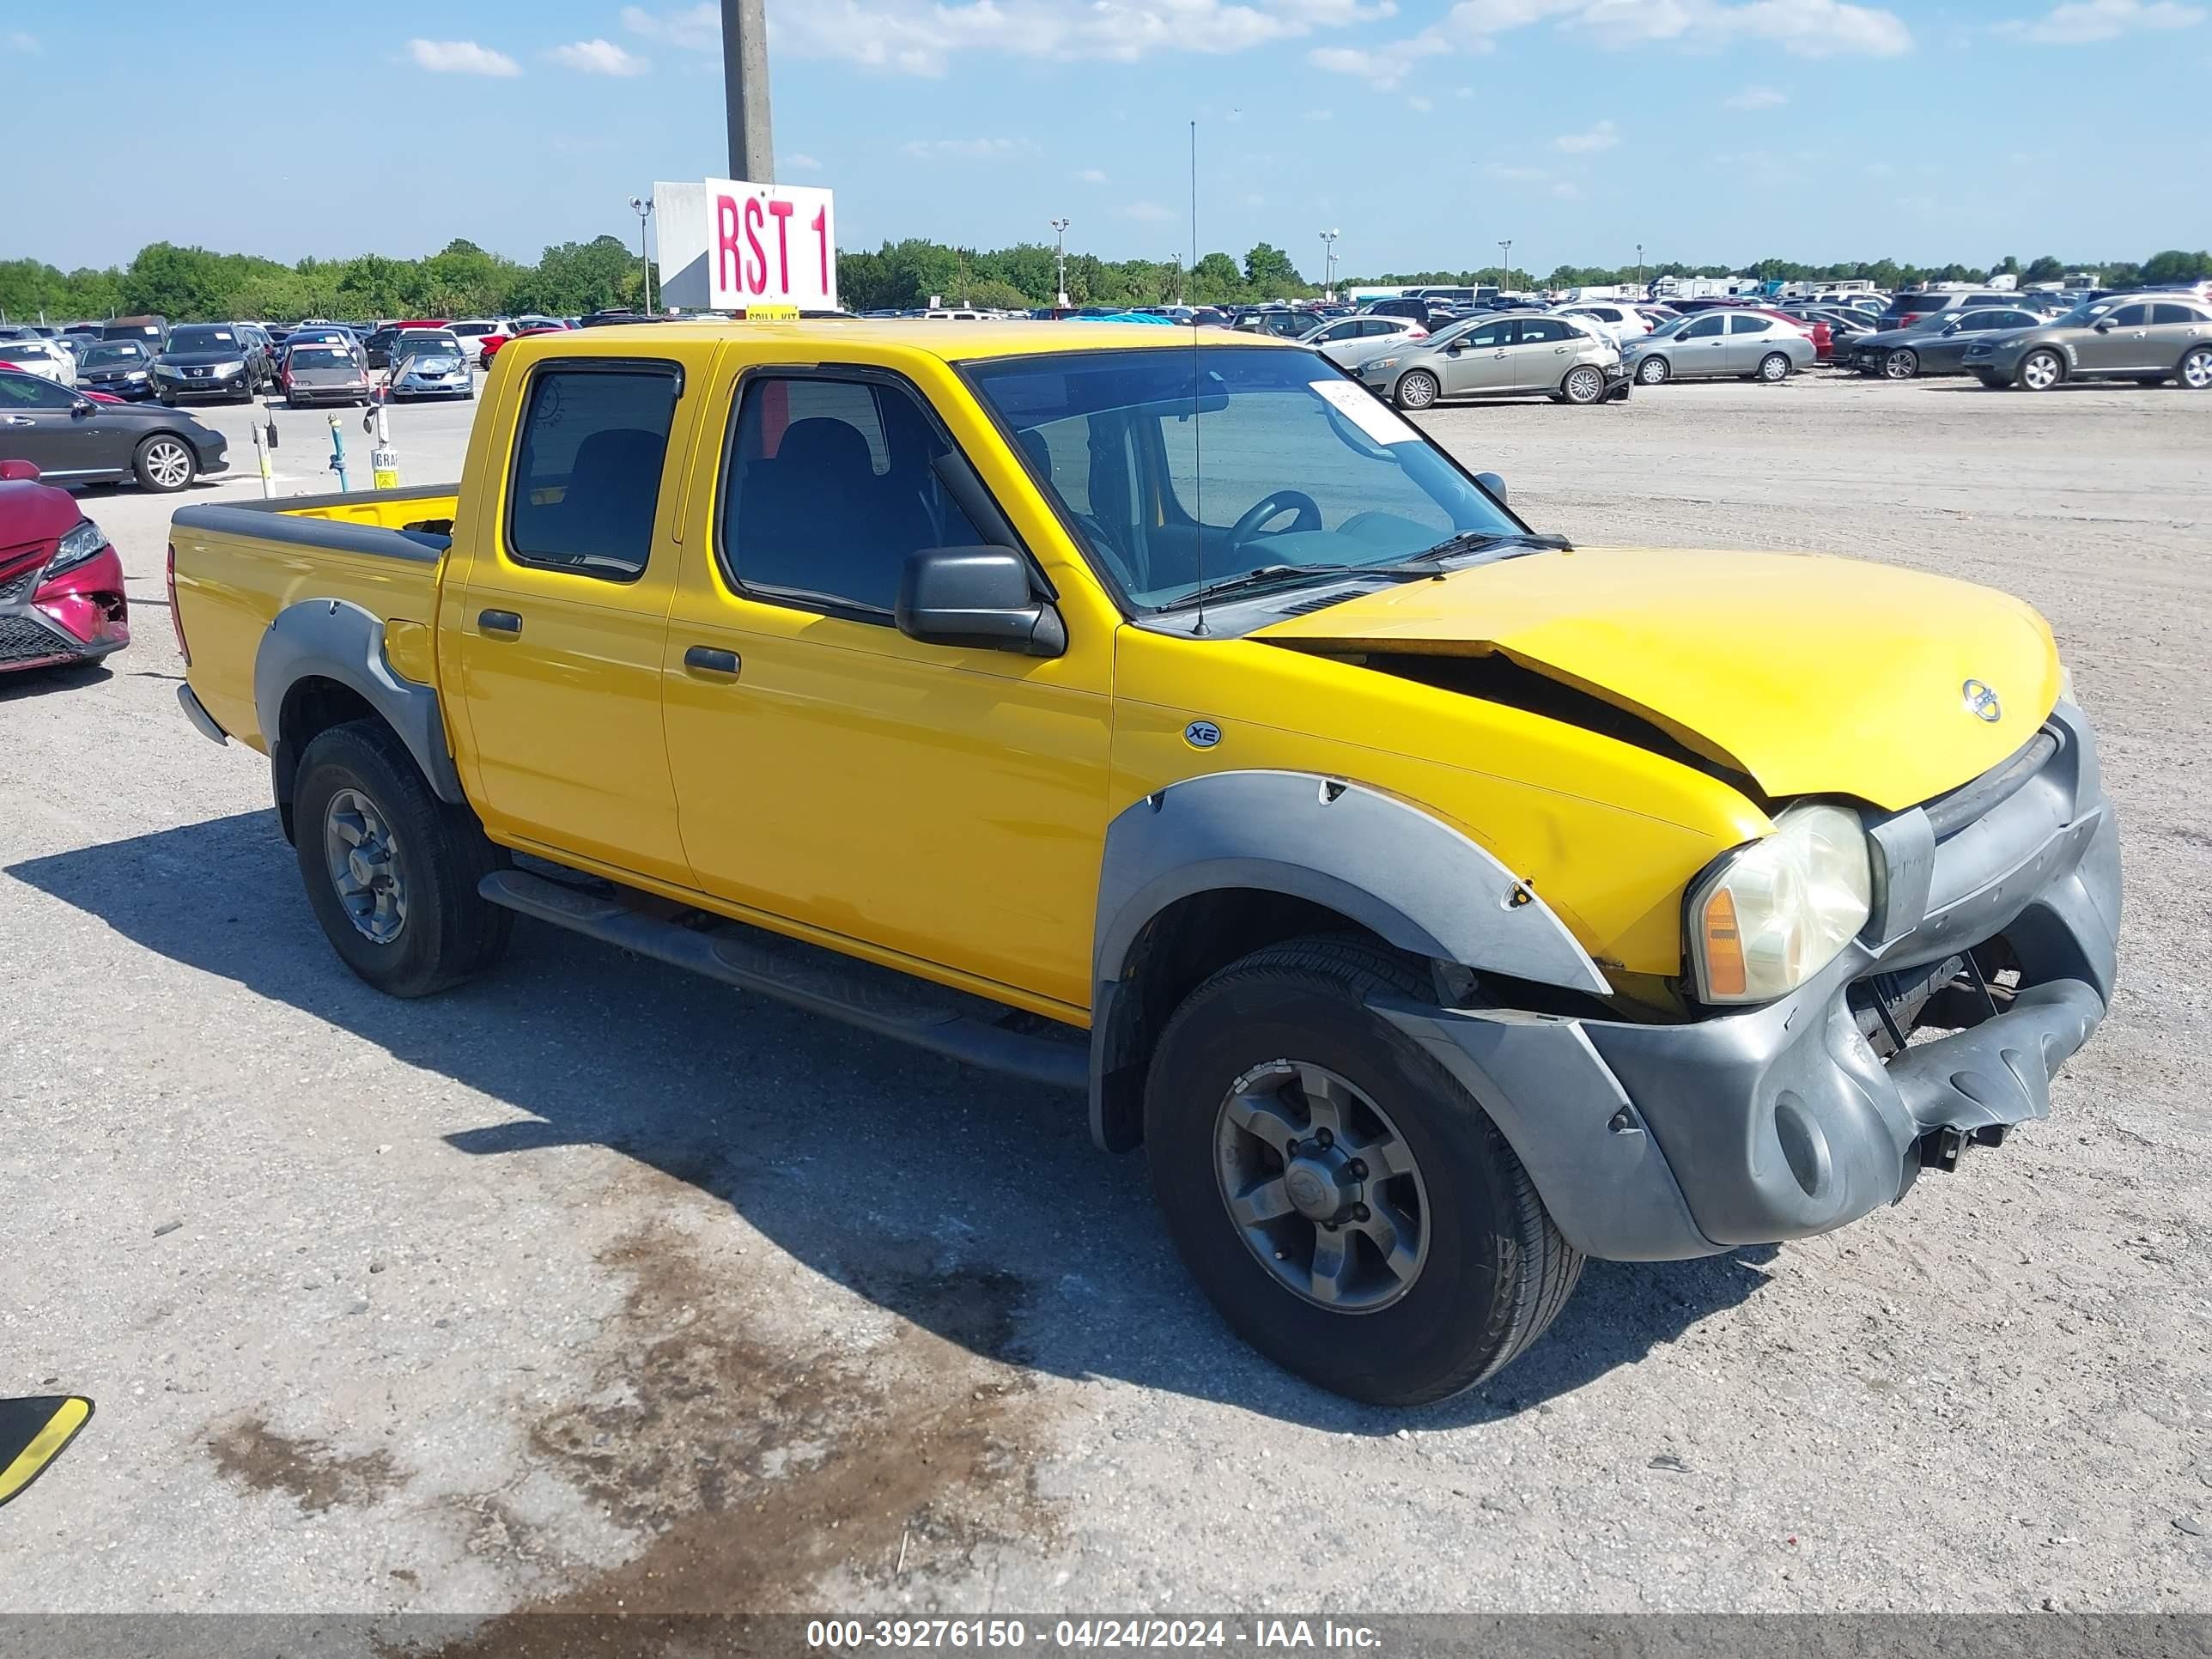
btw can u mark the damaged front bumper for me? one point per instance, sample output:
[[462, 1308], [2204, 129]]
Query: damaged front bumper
[[1657, 1142]]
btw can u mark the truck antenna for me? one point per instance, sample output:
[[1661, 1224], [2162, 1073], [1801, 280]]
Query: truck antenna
[[1197, 469]]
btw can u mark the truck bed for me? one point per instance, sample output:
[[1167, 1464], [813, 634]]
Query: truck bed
[[237, 565]]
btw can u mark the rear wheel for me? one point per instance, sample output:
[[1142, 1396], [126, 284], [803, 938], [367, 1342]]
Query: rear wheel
[[2195, 371], [1351, 1211], [1417, 389], [391, 870], [2040, 371], [164, 463], [1652, 371], [1902, 364], [1774, 367], [1582, 385]]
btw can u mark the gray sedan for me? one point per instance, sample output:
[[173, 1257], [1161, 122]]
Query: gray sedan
[[1934, 345], [1568, 359], [2152, 338], [1713, 345]]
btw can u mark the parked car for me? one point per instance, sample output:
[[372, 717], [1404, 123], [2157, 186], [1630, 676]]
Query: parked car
[[318, 374], [1934, 345], [475, 333], [376, 346], [324, 334], [1908, 308], [1714, 343], [1765, 919], [2121, 338], [493, 343], [61, 586], [1623, 322], [153, 329], [1281, 321], [123, 368], [427, 363], [1349, 341], [1431, 315], [73, 440], [209, 360], [44, 358], [1502, 356]]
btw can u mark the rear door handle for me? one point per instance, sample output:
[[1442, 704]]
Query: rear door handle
[[705, 659], [499, 624]]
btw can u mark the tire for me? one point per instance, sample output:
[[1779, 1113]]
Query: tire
[[165, 464], [1582, 385], [2041, 370], [1995, 382], [1901, 364], [1492, 1270], [1653, 371], [1773, 368], [1417, 389], [2194, 371], [436, 932]]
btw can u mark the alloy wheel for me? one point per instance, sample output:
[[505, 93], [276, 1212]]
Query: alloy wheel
[[1585, 386], [2041, 372], [1322, 1188], [1901, 365], [2197, 369], [363, 860], [168, 464]]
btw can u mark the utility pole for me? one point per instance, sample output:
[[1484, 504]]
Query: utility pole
[[643, 206], [1060, 262], [744, 87], [1505, 262], [1328, 263]]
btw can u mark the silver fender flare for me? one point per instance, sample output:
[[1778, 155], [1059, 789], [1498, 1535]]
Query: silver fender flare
[[336, 640]]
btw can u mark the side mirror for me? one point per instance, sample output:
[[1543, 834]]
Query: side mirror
[[1494, 484], [978, 596], [2104, 325], [82, 408]]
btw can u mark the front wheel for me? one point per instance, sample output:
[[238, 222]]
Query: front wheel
[[2196, 370], [164, 463], [1417, 389], [1583, 384], [1351, 1211], [1652, 371], [391, 870], [2040, 371], [1901, 364], [1774, 367]]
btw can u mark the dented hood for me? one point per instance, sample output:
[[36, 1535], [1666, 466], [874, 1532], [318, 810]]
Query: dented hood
[[1811, 675]]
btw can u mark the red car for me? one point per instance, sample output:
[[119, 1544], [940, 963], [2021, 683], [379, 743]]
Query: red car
[[61, 585], [493, 343]]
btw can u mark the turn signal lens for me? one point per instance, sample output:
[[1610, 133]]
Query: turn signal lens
[[1724, 942], [1776, 912]]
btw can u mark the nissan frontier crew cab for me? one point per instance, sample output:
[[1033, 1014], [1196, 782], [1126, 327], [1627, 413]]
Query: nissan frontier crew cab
[[1157, 714]]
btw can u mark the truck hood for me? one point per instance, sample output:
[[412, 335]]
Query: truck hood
[[1809, 675]]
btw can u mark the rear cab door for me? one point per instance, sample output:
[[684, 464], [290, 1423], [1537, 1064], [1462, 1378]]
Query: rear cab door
[[1543, 349], [554, 629]]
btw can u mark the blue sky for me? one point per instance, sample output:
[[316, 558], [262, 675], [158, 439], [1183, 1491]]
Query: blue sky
[[1425, 131]]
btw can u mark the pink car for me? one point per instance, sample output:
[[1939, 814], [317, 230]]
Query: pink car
[[61, 584]]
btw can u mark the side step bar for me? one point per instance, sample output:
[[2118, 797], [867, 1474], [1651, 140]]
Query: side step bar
[[879, 999]]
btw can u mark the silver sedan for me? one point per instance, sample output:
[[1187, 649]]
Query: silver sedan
[[1348, 342], [1717, 344]]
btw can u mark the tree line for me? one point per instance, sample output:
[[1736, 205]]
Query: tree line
[[463, 280]]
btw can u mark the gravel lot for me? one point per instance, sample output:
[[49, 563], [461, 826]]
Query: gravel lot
[[597, 1284]]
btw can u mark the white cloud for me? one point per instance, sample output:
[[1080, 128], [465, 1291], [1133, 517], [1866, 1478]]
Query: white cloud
[[1092, 176], [799, 162], [694, 28], [1150, 213], [1757, 98], [1382, 68], [968, 149], [598, 56], [461, 57], [19, 40], [1603, 135], [922, 37], [2081, 20], [1512, 175]]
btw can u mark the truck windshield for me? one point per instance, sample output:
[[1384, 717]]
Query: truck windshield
[[1186, 468]]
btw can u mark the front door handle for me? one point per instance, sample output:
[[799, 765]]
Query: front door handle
[[499, 624], [18, 420], [705, 659]]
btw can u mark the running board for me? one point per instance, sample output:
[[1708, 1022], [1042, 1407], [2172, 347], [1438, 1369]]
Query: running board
[[822, 981]]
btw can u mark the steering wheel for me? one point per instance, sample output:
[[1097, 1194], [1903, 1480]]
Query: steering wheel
[[1275, 501]]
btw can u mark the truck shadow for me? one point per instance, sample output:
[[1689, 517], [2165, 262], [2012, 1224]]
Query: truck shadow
[[891, 1171]]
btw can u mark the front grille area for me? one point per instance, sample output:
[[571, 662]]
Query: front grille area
[[16, 581], [1947, 814], [22, 640]]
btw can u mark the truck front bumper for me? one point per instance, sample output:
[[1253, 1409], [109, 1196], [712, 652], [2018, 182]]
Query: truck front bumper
[[1659, 1142]]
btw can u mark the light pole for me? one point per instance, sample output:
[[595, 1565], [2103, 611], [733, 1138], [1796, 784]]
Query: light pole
[[1059, 262], [1639, 268], [643, 206], [1328, 263], [1505, 264], [744, 91]]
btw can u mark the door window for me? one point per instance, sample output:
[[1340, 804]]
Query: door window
[[32, 392], [1489, 336], [1704, 328], [2181, 314], [1750, 324], [2131, 317], [1543, 330], [587, 470], [830, 485]]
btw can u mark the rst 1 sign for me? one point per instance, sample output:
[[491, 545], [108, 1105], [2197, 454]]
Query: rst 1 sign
[[770, 245]]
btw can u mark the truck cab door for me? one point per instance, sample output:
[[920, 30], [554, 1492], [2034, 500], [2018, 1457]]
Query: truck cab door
[[565, 609]]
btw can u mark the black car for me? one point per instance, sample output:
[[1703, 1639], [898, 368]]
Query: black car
[[121, 368], [152, 328], [71, 440], [209, 360], [378, 345], [1431, 315]]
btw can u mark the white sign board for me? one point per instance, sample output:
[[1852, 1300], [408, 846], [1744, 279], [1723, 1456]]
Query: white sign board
[[770, 245]]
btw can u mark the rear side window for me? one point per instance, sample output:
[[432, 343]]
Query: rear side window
[[1749, 325], [1543, 330], [586, 481], [2175, 314]]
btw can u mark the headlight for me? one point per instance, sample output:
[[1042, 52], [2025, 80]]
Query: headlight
[[80, 544], [1384, 362], [135, 374], [1778, 911], [230, 368]]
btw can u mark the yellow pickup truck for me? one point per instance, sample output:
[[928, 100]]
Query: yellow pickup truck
[[1157, 714]]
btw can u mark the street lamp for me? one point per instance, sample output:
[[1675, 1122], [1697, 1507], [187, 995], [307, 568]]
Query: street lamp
[[1505, 262], [1639, 267], [643, 206], [1328, 263], [1060, 262]]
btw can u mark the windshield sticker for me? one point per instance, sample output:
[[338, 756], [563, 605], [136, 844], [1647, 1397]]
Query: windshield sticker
[[1366, 411]]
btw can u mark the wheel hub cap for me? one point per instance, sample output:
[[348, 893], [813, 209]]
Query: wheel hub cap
[[362, 859]]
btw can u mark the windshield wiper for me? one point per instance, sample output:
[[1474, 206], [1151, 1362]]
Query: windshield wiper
[[1474, 541], [1265, 576]]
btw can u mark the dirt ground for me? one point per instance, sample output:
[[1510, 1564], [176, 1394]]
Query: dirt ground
[[595, 1286]]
